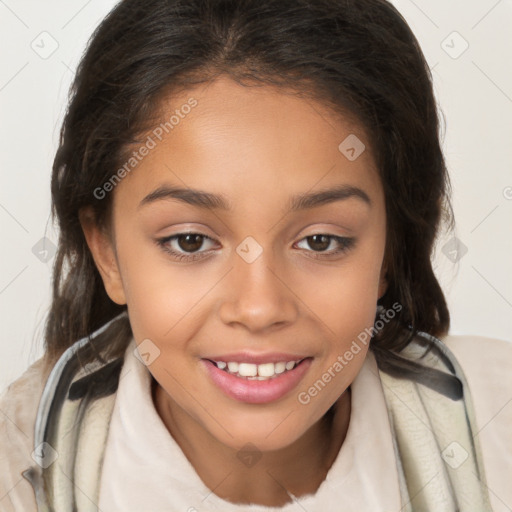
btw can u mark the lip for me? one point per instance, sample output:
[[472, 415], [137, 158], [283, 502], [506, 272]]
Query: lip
[[257, 391], [255, 358]]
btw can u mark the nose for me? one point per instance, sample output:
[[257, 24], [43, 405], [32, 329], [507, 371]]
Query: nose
[[260, 296]]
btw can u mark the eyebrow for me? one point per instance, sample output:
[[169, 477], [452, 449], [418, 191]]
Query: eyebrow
[[209, 201]]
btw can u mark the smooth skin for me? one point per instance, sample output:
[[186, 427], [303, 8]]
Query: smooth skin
[[256, 147]]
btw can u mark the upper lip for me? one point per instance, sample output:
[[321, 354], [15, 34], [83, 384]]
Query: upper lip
[[254, 358]]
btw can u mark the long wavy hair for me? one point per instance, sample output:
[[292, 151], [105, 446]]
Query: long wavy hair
[[358, 57]]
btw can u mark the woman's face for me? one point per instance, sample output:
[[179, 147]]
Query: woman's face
[[264, 277]]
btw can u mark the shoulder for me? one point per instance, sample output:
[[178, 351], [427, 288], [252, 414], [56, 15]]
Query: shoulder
[[472, 349], [19, 401], [18, 410], [487, 364]]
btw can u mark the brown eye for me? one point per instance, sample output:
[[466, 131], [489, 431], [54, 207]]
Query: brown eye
[[319, 242], [318, 245], [190, 242], [186, 246]]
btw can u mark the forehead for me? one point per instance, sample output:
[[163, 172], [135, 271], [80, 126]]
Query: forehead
[[249, 143]]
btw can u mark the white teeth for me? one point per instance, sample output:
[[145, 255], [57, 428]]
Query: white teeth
[[233, 367], [280, 367], [266, 370], [252, 371], [247, 369]]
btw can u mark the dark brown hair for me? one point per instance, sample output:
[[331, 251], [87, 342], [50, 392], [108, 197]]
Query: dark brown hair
[[358, 57]]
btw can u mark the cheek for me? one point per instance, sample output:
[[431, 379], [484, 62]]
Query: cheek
[[163, 304], [346, 322], [344, 303], [344, 297], [159, 294]]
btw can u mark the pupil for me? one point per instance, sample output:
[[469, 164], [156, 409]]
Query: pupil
[[324, 244], [192, 242]]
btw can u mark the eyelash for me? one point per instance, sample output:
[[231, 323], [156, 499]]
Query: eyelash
[[345, 243]]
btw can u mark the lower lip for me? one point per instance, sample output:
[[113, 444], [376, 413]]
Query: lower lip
[[257, 391]]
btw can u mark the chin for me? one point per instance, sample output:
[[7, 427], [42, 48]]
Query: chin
[[267, 435]]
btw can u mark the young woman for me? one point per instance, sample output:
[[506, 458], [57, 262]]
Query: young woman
[[245, 314]]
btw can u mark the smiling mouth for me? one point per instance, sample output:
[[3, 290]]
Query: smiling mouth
[[256, 388], [250, 371]]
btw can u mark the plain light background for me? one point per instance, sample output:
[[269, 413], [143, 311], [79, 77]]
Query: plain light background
[[467, 45]]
